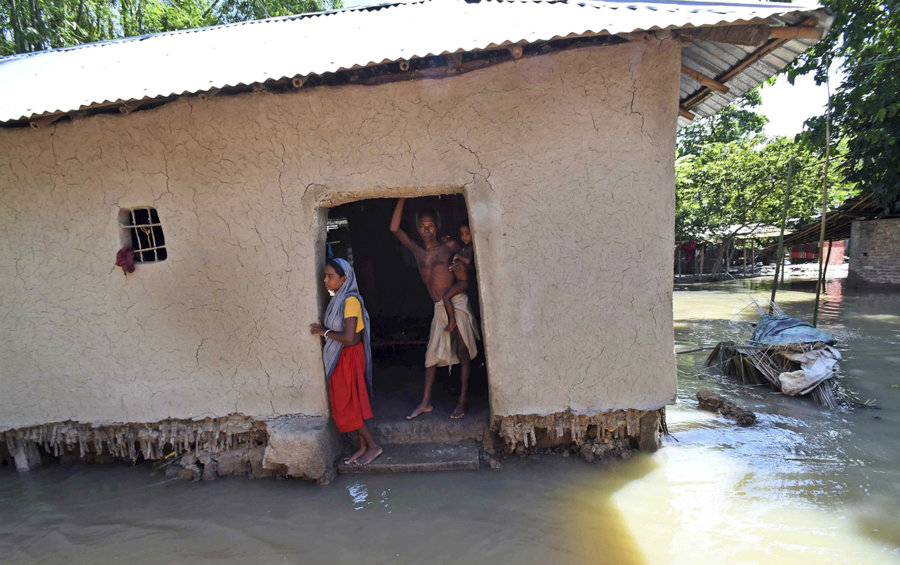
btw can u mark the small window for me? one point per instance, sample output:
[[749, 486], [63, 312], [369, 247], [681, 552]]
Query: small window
[[143, 232]]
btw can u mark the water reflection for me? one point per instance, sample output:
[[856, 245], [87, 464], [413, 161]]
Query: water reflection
[[359, 495], [804, 484]]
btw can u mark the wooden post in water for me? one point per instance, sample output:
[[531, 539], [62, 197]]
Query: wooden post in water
[[752, 257], [827, 259], [820, 281], [678, 251], [702, 259], [745, 258], [779, 261], [728, 250]]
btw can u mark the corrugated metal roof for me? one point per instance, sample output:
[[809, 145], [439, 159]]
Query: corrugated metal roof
[[191, 61]]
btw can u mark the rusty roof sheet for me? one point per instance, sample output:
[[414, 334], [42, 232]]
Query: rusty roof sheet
[[191, 61]]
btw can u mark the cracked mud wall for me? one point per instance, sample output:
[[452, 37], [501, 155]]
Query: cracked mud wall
[[566, 161]]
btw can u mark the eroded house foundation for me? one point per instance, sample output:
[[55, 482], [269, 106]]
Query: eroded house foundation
[[295, 446], [614, 433], [304, 447]]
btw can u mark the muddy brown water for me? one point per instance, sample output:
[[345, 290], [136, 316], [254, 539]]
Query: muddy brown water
[[803, 485]]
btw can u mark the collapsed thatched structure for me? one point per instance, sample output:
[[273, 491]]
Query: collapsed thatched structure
[[786, 353]]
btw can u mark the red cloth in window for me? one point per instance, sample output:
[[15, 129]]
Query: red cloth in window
[[350, 404], [125, 259]]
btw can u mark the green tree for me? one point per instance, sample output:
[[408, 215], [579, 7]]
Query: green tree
[[864, 37], [242, 10], [34, 25], [732, 123], [724, 185]]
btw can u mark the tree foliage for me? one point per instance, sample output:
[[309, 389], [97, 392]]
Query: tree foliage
[[864, 37], [732, 123], [743, 182], [34, 25]]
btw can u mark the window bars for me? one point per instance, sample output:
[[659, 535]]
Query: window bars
[[144, 231]]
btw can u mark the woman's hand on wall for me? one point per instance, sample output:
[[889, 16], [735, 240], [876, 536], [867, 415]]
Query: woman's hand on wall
[[317, 328]]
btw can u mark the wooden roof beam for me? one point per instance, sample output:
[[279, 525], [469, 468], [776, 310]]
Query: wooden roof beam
[[704, 80], [779, 36], [750, 35], [684, 113], [38, 123], [704, 92], [800, 32], [772, 45]]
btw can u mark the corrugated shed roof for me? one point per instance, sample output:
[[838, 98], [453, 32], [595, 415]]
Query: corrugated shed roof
[[191, 61]]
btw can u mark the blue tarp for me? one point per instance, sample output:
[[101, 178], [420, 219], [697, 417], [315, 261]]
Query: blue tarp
[[772, 330]]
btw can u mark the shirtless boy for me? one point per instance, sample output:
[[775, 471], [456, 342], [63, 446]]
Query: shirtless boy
[[444, 348]]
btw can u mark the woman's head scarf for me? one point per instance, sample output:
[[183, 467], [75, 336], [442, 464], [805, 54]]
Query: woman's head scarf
[[334, 320]]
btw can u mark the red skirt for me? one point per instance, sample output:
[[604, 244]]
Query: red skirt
[[350, 404]]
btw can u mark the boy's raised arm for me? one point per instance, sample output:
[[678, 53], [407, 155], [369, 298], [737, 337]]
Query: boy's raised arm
[[395, 226]]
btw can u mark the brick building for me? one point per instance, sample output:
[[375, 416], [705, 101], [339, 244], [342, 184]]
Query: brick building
[[875, 253]]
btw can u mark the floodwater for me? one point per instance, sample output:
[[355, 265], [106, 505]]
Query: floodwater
[[804, 485]]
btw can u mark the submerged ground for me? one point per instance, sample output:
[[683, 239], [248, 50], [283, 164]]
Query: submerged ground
[[803, 484]]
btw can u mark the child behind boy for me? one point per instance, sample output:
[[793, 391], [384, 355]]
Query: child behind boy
[[460, 265]]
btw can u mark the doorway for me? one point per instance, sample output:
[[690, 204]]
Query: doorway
[[400, 308]]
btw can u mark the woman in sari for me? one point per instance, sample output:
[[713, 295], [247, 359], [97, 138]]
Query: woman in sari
[[348, 358]]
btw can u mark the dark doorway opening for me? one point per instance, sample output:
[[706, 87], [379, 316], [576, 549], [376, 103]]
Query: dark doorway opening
[[400, 308]]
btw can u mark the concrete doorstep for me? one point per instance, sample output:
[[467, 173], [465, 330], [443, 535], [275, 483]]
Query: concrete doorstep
[[430, 428], [406, 458]]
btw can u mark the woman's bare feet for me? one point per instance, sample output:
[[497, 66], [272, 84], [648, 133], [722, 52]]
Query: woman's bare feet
[[420, 409], [369, 456], [350, 460], [459, 411]]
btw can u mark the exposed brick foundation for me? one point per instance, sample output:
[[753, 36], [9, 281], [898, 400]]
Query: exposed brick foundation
[[875, 254]]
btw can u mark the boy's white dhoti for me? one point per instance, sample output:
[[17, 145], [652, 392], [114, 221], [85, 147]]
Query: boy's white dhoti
[[441, 346]]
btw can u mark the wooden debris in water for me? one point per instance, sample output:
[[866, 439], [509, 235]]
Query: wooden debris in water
[[716, 403]]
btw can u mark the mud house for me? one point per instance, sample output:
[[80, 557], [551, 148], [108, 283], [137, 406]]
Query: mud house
[[220, 154]]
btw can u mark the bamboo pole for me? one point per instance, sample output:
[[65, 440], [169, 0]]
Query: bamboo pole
[[695, 350], [780, 257], [819, 281], [827, 259], [782, 271]]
